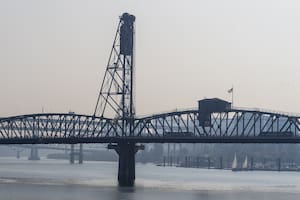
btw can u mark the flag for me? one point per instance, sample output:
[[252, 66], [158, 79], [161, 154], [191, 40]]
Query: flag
[[230, 90]]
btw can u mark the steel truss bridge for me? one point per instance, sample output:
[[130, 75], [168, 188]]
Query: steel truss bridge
[[232, 126], [114, 120]]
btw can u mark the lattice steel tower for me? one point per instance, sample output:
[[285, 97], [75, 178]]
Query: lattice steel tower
[[116, 96]]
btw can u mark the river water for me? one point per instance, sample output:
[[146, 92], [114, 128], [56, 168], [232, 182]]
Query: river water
[[58, 180]]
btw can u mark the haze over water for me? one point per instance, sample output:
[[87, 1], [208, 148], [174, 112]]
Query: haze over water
[[53, 56], [58, 180]]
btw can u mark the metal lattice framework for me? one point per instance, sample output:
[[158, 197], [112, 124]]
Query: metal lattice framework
[[232, 126], [116, 95]]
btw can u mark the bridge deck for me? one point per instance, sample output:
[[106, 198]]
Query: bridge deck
[[207, 139]]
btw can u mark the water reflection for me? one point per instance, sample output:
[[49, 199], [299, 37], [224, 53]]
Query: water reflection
[[57, 180]]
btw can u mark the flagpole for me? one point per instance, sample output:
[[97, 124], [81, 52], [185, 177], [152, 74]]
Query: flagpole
[[231, 91], [232, 97]]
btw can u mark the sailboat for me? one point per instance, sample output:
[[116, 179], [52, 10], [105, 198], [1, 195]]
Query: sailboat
[[245, 164], [234, 166]]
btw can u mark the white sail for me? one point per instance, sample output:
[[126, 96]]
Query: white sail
[[234, 162], [245, 164]]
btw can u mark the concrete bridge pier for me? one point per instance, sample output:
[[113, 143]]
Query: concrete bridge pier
[[18, 154], [72, 154], [126, 171], [80, 156], [221, 162], [76, 154], [34, 154]]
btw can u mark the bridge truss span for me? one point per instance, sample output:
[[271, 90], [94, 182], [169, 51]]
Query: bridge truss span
[[231, 126], [56, 128]]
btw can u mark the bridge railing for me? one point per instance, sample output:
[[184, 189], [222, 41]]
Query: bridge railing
[[176, 110], [268, 111], [297, 115]]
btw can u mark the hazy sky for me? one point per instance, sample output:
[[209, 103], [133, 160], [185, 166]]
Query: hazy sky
[[53, 54]]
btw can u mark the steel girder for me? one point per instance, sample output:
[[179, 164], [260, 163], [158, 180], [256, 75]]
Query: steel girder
[[232, 126], [55, 128]]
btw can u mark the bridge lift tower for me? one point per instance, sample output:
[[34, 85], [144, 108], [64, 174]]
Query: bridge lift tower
[[116, 96]]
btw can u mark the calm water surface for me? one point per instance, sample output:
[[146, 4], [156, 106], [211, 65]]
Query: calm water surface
[[58, 180]]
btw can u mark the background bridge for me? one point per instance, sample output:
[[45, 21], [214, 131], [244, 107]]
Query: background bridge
[[214, 121]]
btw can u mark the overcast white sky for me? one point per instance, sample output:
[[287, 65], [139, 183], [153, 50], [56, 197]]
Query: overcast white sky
[[53, 53]]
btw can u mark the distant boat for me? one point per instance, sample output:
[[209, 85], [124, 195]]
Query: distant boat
[[245, 164], [244, 167], [234, 166]]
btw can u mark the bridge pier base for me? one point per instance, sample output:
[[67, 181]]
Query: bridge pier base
[[80, 156], [34, 154], [126, 170], [18, 154], [72, 154], [76, 154]]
